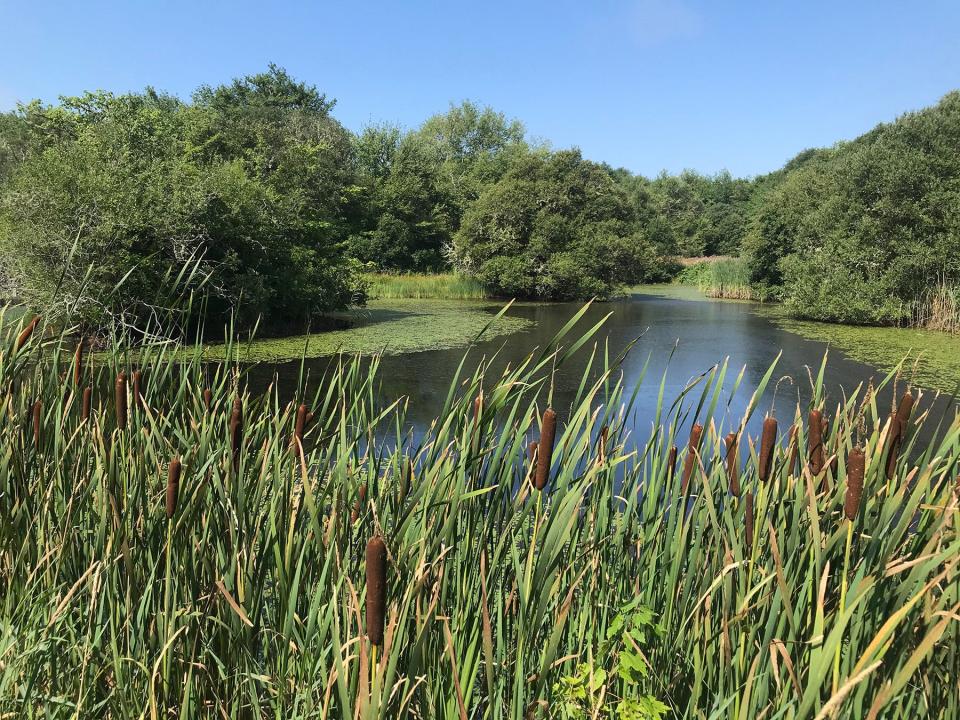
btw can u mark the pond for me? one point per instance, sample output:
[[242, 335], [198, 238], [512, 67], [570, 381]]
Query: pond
[[681, 334]]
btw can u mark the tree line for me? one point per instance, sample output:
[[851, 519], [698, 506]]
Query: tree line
[[254, 196], [106, 199]]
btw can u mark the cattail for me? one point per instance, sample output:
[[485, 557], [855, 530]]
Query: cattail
[[138, 390], [85, 404], [892, 444], [173, 486], [696, 433], [548, 431], [477, 408], [904, 409], [358, 505], [602, 444], [236, 429], [671, 463], [207, 398], [768, 441], [815, 441], [748, 520], [856, 463], [26, 333], [376, 588], [733, 464], [121, 400], [78, 364], [37, 419], [300, 425]]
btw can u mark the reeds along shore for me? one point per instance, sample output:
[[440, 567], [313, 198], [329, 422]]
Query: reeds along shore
[[199, 555]]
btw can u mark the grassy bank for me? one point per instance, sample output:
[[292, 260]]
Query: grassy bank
[[440, 286], [190, 550], [727, 278]]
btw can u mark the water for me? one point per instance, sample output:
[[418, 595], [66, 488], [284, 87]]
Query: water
[[681, 336]]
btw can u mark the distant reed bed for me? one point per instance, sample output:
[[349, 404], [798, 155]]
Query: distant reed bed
[[175, 546], [727, 278], [441, 286]]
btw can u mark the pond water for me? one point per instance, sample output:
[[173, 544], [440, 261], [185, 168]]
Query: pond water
[[682, 335]]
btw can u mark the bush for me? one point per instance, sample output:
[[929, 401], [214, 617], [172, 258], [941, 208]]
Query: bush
[[556, 227]]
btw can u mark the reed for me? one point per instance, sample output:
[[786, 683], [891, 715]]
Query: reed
[[245, 597], [173, 486], [548, 431], [376, 567], [120, 400], [37, 422], [768, 442], [690, 462], [733, 464], [236, 430]]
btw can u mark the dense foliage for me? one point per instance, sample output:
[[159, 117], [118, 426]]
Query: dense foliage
[[862, 232], [557, 227], [252, 180]]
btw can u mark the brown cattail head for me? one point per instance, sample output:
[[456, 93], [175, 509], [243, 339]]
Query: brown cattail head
[[138, 389], [121, 400], [671, 463], [815, 441], [602, 444], [85, 404], [78, 364], [532, 452], [794, 448], [733, 463], [904, 410], [748, 520], [696, 434], [173, 486], [548, 432], [856, 464], [376, 588], [768, 441], [236, 429], [25, 334], [894, 437], [37, 420], [300, 424], [207, 398]]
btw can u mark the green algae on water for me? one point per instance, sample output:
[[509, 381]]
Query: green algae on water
[[389, 326]]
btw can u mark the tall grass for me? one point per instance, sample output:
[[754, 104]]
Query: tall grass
[[190, 565], [727, 278], [442, 286]]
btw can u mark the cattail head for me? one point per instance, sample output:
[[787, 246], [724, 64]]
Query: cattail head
[[78, 364], [138, 389], [696, 434], [815, 441], [376, 588], [121, 400], [25, 334], [358, 504], [904, 409], [733, 464], [37, 420], [173, 486], [856, 464], [477, 408], [236, 429], [207, 398], [548, 432], [748, 520], [768, 441], [794, 448], [300, 424], [85, 403], [671, 463]]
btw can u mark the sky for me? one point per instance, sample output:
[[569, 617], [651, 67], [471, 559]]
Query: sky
[[649, 85]]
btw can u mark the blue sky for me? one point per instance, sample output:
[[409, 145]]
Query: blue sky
[[644, 84]]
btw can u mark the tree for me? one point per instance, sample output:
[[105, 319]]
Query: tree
[[554, 227]]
